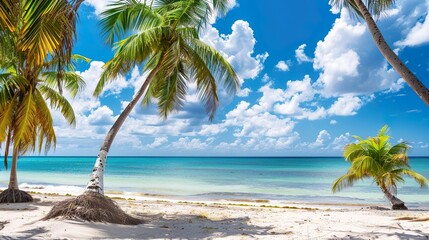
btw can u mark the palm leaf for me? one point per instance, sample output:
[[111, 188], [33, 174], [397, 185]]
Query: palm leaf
[[347, 180], [58, 102], [124, 16]]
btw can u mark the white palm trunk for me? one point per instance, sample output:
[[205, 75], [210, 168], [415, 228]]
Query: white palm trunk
[[96, 183]]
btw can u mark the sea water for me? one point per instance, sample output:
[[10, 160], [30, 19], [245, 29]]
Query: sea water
[[299, 179]]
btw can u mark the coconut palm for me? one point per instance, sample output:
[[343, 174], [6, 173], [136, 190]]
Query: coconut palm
[[164, 37], [35, 59], [376, 158], [366, 9]]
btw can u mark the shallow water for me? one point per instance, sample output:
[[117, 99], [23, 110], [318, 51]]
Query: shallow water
[[289, 179]]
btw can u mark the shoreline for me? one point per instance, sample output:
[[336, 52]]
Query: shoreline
[[238, 219], [228, 197]]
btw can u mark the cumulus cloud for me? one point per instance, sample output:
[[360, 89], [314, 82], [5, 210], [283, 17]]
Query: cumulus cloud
[[187, 143], [282, 66], [345, 106], [158, 142], [349, 61], [98, 5], [322, 140], [300, 54], [419, 34], [340, 141], [238, 48], [244, 92]]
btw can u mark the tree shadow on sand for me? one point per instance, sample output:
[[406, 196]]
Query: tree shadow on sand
[[398, 234], [180, 227], [27, 234]]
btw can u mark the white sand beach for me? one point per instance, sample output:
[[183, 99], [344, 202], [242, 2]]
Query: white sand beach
[[245, 219]]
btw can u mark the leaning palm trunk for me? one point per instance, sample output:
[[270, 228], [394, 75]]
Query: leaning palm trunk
[[92, 205], [12, 194], [397, 204], [418, 87], [95, 183]]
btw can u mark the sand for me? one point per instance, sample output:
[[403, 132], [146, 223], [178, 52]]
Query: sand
[[173, 219]]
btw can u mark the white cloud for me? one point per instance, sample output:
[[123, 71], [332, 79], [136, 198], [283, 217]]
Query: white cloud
[[349, 61], [266, 78], [244, 92], [254, 122], [333, 122], [340, 141], [419, 34], [158, 142], [101, 116], [423, 145], [282, 66], [346, 106], [238, 48], [193, 144], [300, 54], [322, 140], [98, 5]]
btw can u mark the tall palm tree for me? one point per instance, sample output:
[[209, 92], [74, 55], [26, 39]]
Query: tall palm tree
[[35, 56], [366, 9], [165, 38], [376, 158]]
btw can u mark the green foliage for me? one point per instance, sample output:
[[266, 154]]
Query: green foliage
[[164, 37], [376, 158], [35, 62], [375, 7]]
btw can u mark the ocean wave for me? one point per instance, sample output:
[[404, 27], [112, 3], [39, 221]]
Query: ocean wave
[[54, 189]]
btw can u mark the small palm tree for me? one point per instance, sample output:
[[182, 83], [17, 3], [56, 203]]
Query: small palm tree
[[35, 61], [376, 158], [366, 9], [165, 38]]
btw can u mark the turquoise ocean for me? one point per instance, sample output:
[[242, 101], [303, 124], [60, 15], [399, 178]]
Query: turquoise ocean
[[288, 179]]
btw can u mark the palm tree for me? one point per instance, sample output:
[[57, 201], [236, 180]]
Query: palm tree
[[35, 59], [367, 8], [164, 37], [376, 158]]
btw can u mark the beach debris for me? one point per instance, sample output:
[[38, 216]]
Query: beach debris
[[15, 196], [93, 207]]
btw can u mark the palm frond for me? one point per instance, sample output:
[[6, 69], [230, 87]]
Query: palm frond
[[366, 166], [46, 131], [186, 13], [171, 92], [72, 81], [58, 102], [131, 51], [42, 32], [375, 7], [125, 16], [353, 150], [347, 180], [7, 117], [25, 126], [7, 19], [420, 179]]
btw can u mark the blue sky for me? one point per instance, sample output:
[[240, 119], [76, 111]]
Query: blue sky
[[311, 78]]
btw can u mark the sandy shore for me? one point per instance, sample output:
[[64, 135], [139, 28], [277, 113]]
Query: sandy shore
[[171, 219]]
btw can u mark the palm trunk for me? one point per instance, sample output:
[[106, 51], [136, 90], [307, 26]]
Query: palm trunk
[[397, 204], [6, 150], [13, 180], [418, 87], [95, 183]]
